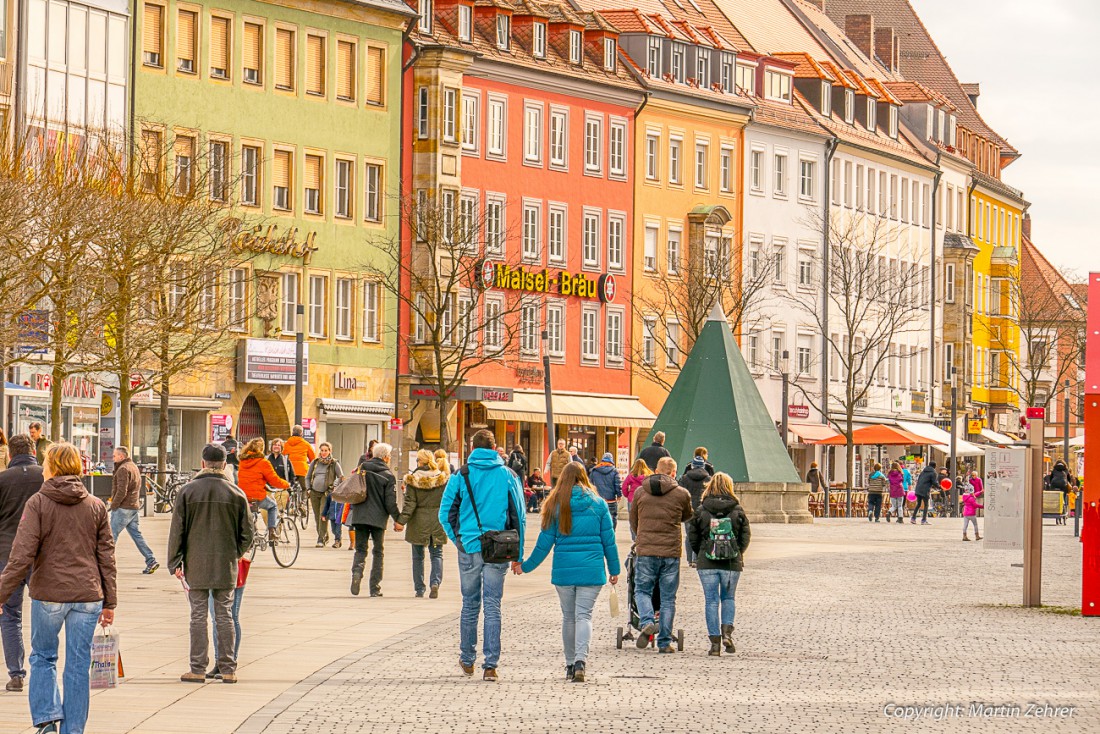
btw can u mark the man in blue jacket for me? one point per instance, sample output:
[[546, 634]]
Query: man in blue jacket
[[498, 495], [605, 478]]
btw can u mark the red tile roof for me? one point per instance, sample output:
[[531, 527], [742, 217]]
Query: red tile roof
[[909, 91], [1043, 287], [806, 67], [701, 14]]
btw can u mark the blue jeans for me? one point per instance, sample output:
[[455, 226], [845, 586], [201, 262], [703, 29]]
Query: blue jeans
[[577, 603], [664, 573], [272, 511], [79, 621], [11, 628], [238, 596], [481, 583], [436, 577], [128, 520], [718, 589]]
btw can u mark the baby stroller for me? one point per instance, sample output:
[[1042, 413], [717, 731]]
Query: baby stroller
[[635, 623]]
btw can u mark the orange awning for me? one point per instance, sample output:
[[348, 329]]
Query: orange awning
[[812, 432], [879, 436]]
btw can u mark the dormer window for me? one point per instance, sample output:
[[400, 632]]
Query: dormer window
[[893, 121], [574, 47], [746, 79], [702, 67], [504, 31], [538, 40], [610, 50], [424, 24], [777, 86], [849, 106], [678, 53], [729, 61], [951, 123], [826, 98], [930, 122], [872, 108], [465, 23], [940, 124], [653, 58]]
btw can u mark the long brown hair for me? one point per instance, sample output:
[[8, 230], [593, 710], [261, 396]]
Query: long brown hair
[[556, 506], [640, 468]]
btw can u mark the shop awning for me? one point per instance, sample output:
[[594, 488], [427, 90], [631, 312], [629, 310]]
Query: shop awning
[[879, 435], [997, 438], [363, 410], [147, 400], [812, 432], [594, 410], [942, 439]]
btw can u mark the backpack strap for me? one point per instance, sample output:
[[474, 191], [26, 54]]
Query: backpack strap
[[508, 519]]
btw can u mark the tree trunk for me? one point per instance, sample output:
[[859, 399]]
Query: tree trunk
[[444, 428], [125, 397], [57, 380], [162, 428], [850, 457]]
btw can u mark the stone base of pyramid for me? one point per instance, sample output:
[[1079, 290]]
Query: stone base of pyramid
[[775, 502]]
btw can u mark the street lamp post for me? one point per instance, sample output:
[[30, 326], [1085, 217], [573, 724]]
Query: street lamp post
[[784, 366], [299, 357], [551, 439], [952, 472]]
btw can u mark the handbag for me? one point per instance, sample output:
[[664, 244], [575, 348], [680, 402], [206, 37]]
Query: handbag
[[243, 565], [497, 546], [351, 490], [106, 660]]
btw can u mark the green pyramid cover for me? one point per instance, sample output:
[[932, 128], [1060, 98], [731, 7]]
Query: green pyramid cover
[[715, 403]]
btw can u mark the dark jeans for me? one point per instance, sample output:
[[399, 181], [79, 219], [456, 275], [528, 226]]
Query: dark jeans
[[436, 578], [922, 502], [376, 536], [689, 554], [874, 505], [11, 628]]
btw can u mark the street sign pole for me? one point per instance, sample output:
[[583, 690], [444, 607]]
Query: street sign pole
[[299, 357], [551, 439], [1033, 511]]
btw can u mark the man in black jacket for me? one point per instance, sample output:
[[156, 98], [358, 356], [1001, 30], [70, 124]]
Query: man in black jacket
[[18, 482], [654, 452], [926, 484], [368, 518]]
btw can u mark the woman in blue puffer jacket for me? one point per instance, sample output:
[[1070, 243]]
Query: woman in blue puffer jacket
[[577, 525]]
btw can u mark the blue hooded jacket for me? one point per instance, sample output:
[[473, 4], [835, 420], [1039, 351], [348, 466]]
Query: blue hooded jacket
[[579, 557], [605, 478], [499, 497]]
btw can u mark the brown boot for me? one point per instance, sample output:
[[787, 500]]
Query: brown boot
[[15, 684]]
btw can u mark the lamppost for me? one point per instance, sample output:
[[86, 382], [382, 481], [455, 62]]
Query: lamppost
[[952, 471], [299, 357], [551, 439], [784, 366]]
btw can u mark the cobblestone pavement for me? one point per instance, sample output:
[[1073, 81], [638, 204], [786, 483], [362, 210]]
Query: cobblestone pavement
[[898, 614]]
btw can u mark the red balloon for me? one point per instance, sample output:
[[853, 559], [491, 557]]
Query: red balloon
[[945, 483]]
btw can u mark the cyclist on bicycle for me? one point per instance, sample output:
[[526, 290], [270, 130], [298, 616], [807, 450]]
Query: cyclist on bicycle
[[254, 476]]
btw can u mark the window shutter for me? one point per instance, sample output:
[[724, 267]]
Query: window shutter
[[284, 58], [345, 70], [376, 60], [185, 36], [315, 65], [153, 24], [219, 43], [253, 45], [313, 172], [185, 146], [281, 172], [151, 152]]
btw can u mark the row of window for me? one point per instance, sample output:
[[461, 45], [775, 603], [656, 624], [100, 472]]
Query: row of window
[[717, 250], [286, 170], [331, 65], [667, 162], [335, 306], [862, 188], [994, 224], [780, 175]]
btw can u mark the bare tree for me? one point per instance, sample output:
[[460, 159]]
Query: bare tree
[[443, 283], [876, 294]]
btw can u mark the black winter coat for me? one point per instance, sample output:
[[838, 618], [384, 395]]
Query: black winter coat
[[652, 454], [695, 480], [282, 467], [211, 529], [698, 529], [381, 502], [517, 462], [926, 481], [18, 482]]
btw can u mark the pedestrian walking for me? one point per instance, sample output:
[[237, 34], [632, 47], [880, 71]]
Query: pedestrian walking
[[719, 534], [254, 475], [211, 530], [633, 481], [367, 455], [41, 443], [299, 451], [64, 541], [574, 455], [441, 456], [896, 480], [695, 481], [420, 518], [926, 482], [369, 517], [876, 487], [536, 493], [558, 459], [5, 452], [970, 507], [18, 483], [232, 460], [125, 503], [813, 477], [701, 453], [483, 497], [605, 479], [654, 452], [660, 508], [322, 475], [517, 462], [977, 483], [578, 527]]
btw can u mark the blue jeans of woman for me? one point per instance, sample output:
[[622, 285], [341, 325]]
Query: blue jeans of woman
[[577, 603], [272, 509], [238, 597], [47, 619], [719, 588], [436, 577]]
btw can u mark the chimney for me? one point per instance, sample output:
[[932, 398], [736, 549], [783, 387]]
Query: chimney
[[1025, 226], [861, 29], [884, 46], [897, 53]]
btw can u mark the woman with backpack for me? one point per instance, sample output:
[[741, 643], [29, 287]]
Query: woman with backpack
[[719, 534], [576, 524]]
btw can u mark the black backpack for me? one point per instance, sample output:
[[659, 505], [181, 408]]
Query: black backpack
[[1059, 480]]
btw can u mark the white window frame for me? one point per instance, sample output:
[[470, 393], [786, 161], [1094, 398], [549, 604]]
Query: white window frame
[[495, 224], [702, 67], [423, 110], [559, 138], [290, 287], [806, 268], [653, 156], [555, 330], [503, 31], [557, 248], [531, 240], [576, 48], [649, 253], [372, 291], [471, 121], [673, 352], [450, 115], [702, 165], [590, 333], [756, 170], [494, 324], [591, 238], [653, 57], [424, 23], [237, 298], [529, 341], [610, 53], [613, 335], [678, 63], [780, 171], [676, 160], [318, 312], [593, 144], [616, 241], [807, 182], [674, 249], [617, 148], [372, 192], [649, 341], [250, 174], [496, 130], [777, 86], [538, 40], [343, 327], [342, 205], [532, 133], [725, 169], [465, 23]]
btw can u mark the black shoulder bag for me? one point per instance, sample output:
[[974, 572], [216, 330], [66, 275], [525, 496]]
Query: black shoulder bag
[[497, 546]]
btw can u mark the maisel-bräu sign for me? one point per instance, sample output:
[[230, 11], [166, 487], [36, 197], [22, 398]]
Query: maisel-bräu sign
[[501, 275]]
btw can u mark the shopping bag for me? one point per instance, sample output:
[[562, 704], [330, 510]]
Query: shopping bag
[[106, 660], [243, 565], [613, 599]]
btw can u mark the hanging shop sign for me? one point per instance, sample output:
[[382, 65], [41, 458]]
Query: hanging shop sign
[[309, 430], [268, 240], [974, 426], [798, 411], [501, 275], [33, 330], [269, 362], [465, 393], [918, 402]]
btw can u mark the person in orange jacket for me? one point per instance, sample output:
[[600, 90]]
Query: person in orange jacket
[[299, 451], [254, 476]]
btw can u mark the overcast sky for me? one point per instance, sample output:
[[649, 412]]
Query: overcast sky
[[1036, 65]]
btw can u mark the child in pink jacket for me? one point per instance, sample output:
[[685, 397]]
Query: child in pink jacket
[[970, 513]]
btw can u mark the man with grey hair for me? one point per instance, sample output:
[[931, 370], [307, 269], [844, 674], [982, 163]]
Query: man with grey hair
[[125, 503], [655, 451], [369, 517]]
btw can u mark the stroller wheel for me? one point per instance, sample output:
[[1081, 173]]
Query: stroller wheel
[[679, 640], [619, 638]]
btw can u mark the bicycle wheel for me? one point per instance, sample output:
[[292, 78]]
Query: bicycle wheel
[[287, 543], [259, 537]]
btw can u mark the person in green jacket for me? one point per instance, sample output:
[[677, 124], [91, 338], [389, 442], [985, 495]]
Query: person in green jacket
[[420, 517]]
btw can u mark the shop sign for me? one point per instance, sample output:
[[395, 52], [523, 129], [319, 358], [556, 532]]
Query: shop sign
[[396, 424], [974, 426], [269, 361], [919, 402], [798, 411], [34, 330], [496, 395], [1037, 414], [74, 387], [259, 239], [464, 393], [344, 381], [107, 405], [529, 375], [86, 415], [309, 429], [220, 426], [223, 396], [517, 278]]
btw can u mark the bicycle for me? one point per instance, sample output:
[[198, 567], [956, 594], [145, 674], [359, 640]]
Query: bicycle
[[164, 495], [287, 543], [297, 506]]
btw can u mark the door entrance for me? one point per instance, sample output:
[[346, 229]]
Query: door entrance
[[250, 424]]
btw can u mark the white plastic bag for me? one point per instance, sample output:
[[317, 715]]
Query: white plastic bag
[[613, 599], [106, 659]]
